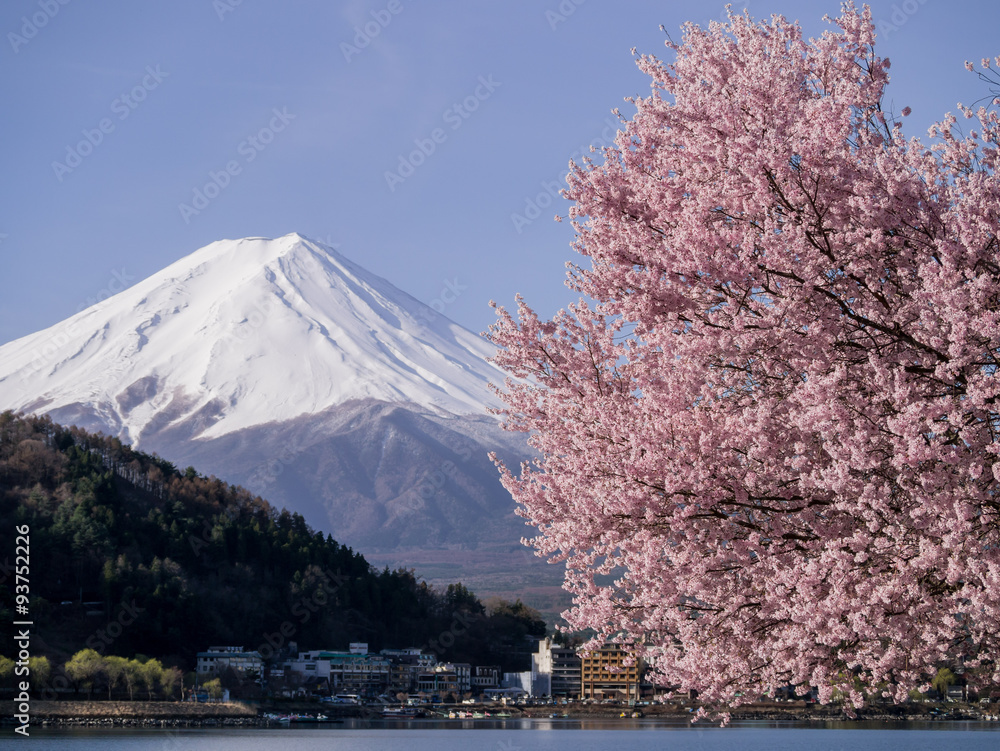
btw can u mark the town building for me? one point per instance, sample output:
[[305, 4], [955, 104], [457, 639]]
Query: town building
[[445, 678], [405, 665], [610, 673], [437, 681], [561, 665], [484, 677], [463, 675], [217, 659], [355, 671]]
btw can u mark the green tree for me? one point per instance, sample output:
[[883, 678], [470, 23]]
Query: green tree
[[132, 676], [40, 669], [151, 675], [942, 680], [84, 668], [214, 688], [170, 681], [114, 671], [6, 671]]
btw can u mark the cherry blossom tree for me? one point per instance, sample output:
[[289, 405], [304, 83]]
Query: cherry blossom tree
[[767, 434]]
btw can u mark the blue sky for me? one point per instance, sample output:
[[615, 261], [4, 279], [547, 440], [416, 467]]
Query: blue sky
[[117, 114]]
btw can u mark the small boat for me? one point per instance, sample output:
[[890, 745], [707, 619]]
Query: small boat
[[288, 719], [405, 713]]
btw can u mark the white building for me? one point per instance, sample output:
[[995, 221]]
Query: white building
[[561, 667], [217, 659], [354, 671]]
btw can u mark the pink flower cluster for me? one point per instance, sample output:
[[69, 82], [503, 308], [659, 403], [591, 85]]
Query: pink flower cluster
[[774, 424]]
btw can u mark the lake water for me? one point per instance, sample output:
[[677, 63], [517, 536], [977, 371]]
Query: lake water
[[526, 735]]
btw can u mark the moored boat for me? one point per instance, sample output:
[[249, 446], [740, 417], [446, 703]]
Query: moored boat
[[406, 713]]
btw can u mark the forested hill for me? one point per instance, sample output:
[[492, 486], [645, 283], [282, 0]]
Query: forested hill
[[180, 561]]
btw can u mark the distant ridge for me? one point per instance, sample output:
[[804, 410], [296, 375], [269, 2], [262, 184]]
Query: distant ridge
[[279, 365]]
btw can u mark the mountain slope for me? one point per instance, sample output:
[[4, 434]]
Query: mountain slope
[[281, 366], [242, 333], [177, 561], [382, 476]]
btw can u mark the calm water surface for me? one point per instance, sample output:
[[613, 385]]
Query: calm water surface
[[527, 735]]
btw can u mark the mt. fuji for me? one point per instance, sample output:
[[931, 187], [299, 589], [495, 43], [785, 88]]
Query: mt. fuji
[[242, 333], [279, 365]]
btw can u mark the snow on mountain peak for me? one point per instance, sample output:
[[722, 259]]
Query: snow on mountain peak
[[245, 332]]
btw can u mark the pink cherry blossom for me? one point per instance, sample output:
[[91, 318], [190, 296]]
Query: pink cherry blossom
[[767, 432]]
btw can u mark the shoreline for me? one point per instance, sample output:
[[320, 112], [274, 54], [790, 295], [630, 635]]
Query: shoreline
[[160, 714]]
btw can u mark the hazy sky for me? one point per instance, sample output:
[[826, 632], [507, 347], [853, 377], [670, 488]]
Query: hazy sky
[[287, 116]]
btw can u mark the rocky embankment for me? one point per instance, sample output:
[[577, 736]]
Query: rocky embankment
[[140, 713], [161, 714]]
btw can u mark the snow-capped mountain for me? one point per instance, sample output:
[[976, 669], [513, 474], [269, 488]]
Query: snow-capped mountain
[[242, 333], [281, 366]]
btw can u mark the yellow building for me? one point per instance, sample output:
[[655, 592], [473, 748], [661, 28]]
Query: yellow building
[[604, 675]]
